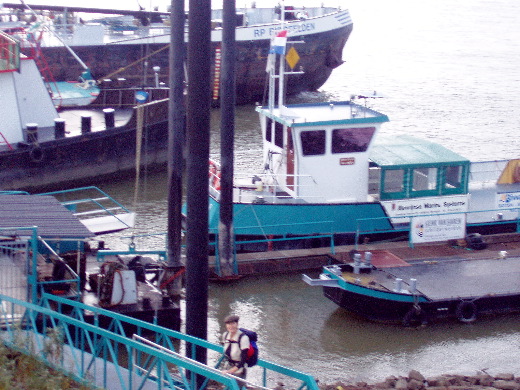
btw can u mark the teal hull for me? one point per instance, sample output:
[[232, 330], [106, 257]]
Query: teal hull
[[259, 219]]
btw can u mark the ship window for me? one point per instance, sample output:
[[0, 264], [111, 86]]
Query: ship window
[[268, 124], [394, 180], [453, 177], [278, 134], [351, 140], [313, 142], [424, 179]]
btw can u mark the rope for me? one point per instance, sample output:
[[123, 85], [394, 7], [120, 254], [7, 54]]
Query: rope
[[138, 145], [98, 81]]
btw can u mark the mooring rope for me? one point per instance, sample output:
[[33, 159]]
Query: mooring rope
[[138, 143], [98, 81]]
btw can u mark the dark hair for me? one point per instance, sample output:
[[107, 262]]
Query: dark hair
[[231, 318]]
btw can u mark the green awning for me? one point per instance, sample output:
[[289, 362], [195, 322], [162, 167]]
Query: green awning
[[405, 151]]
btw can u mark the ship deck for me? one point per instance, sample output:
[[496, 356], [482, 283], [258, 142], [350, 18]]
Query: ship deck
[[443, 280]]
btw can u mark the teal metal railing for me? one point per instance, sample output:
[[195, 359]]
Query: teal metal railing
[[123, 354], [93, 202], [363, 225]]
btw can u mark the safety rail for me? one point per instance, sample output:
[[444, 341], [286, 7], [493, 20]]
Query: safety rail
[[406, 226], [68, 284], [59, 332], [88, 200], [270, 240], [95, 208]]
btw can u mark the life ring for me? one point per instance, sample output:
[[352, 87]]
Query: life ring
[[214, 175], [212, 168], [216, 181], [36, 154], [466, 312], [416, 316]]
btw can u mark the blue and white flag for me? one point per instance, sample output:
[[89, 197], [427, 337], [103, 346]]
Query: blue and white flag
[[278, 43]]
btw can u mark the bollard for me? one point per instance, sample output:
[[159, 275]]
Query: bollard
[[32, 133], [59, 128], [86, 124], [413, 285], [357, 258], [109, 117], [368, 259]]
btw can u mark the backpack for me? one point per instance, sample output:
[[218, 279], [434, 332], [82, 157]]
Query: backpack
[[252, 353]]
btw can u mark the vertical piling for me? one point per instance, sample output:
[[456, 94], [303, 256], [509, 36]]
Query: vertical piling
[[227, 137], [176, 140], [197, 134]]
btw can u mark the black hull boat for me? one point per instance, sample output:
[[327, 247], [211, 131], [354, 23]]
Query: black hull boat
[[421, 292], [41, 148], [119, 49], [87, 157]]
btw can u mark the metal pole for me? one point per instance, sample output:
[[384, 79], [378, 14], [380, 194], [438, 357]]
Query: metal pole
[[197, 132], [281, 71], [227, 136], [176, 139]]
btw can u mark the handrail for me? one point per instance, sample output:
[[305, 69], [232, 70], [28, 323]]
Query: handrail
[[90, 353], [407, 228], [105, 195], [118, 334], [93, 204]]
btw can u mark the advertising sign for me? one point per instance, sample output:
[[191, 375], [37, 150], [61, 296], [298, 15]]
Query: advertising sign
[[437, 228], [508, 200], [423, 206]]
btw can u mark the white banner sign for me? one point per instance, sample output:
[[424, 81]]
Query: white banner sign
[[424, 206], [437, 228]]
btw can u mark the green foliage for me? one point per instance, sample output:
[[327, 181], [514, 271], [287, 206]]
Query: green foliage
[[24, 372]]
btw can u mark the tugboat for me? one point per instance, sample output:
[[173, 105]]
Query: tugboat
[[330, 172]]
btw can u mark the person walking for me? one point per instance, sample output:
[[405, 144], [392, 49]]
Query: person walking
[[236, 344]]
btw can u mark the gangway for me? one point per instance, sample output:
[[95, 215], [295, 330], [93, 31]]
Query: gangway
[[123, 354]]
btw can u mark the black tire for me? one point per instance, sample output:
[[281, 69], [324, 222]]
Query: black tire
[[415, 317], [36, 154], [466, 312]]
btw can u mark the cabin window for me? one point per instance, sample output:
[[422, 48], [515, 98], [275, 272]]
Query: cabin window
[[351, 140], [424, 179], [453, 177], [394, 180], [268, 125], [313, 142], [278, 134]]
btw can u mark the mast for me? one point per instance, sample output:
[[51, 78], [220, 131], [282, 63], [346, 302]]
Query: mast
[[281, 70]]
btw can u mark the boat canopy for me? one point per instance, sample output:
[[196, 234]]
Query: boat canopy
[[411, 168]]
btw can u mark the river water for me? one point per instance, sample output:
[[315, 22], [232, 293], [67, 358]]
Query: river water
[[450, 72]]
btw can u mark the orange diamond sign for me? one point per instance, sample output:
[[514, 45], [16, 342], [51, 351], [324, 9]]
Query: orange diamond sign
[[292, 57]]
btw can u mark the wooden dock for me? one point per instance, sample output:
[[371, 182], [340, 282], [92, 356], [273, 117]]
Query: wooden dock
[[297, 260]]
